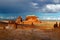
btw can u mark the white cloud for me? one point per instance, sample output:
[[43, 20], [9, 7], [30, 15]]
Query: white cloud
[[58, 18], [50, 18], [47, 18], [54, 18], [41, 0], [34, 5], [1, 17], [56, 1], [51, 8], [11, 17]]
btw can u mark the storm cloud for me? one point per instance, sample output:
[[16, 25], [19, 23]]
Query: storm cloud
[[22, 6]]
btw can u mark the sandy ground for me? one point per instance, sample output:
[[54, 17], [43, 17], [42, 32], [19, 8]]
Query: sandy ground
[[32, 34], [44, 31]]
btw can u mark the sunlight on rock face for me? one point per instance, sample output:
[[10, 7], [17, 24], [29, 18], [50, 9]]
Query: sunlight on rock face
[[31, 19], [19, 20], [8, 27], [28, 23]]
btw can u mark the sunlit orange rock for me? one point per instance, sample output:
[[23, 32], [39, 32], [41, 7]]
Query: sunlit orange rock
[[19, 20], [32, 20], [27, 22]]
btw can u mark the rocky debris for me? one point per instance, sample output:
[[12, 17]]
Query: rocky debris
[[11, 25]]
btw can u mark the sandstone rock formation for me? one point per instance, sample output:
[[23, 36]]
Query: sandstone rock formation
[[11, 25], [19, 20], [32, 20]]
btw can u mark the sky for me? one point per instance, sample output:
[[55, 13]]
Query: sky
[[44, 9]]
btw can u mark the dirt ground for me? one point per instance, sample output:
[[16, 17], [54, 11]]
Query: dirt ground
[[32, 34], [44, 31]]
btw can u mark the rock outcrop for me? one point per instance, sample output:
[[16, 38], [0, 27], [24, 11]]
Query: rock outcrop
[[11, 25], [19, 20], [31, 20]]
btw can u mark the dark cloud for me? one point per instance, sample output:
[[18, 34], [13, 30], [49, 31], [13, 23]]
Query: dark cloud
[[21, 6]]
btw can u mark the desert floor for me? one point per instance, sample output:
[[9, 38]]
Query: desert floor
[[32, 34], [45, 31]]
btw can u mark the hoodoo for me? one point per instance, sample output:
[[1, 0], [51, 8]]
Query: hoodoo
[[19, 20]]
